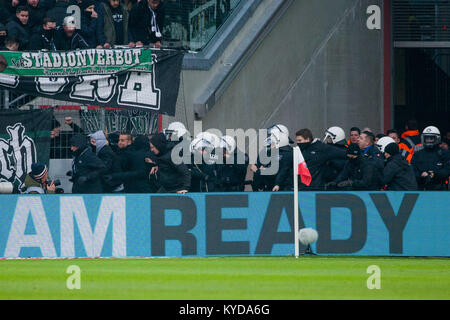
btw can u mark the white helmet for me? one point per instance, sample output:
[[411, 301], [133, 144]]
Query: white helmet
[[383, 142], [336, 134], [277, 140], [175, 131], [279, 128], [199, 144], [210, 137], [228, 143], [430, 137]]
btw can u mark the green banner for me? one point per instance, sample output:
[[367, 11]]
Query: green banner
[[74, 63]]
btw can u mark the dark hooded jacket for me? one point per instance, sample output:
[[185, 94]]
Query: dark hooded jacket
[[21, 32], [135, 171], [171, 177], [87, 168], [398, 174]]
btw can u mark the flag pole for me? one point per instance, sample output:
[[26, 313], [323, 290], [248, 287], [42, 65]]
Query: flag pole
[[296, 203]]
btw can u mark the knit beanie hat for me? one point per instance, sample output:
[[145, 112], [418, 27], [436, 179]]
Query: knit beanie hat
[[159, 141], [78, 140], [38, 170], [392, 149]]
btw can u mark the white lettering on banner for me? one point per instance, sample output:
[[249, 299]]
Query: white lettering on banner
[[95, 87], [52, 85], [18, 239], [139, 90], [9, 81], [23, 147], [73, 208]]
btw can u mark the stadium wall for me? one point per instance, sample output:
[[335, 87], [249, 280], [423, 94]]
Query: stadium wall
[[237, 224], [319, 66]]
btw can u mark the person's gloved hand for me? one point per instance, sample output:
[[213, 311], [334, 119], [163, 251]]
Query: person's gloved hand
[[82, 180], [346, 183], [69, 173]]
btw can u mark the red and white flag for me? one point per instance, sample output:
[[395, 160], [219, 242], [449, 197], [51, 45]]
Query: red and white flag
[[301, 167]]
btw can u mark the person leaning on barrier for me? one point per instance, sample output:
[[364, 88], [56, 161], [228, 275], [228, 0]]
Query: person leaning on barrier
[[171, 177], [231, 175], [202, 166], [36, 181], [283, 178], [43, 38], [357, 174], [68, 38], [397, 173], [87, 168], [147, 22], [19, 27]]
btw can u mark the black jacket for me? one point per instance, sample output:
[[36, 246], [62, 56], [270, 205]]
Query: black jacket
[[36, 16], [203, 175], [42, 40], [112, 164], [134, 170], [316, 155], [335, 166], [361, 172], [21, 32], [87, 164], [64, 43], [436, 160], [231, 177], [398, 174], [170, 176], [140, 22]]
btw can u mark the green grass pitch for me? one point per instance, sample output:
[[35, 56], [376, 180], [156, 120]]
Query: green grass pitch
[[237, 278]]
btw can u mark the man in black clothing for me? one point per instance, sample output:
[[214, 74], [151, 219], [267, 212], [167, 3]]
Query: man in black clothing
[[358, 172], [233, 169], [316, 155], [147, 22], [18, 27], [87, 168], [102, 149], [44, 38], [430, 162], [3, 36], [172, 177], [135, 170], [67, 38], [59, 11], [36, 14], [397, 174], [203, 168]]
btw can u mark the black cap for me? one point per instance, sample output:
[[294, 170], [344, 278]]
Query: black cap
[[78, 140], [159, 141], [392, 149], [353, 149]]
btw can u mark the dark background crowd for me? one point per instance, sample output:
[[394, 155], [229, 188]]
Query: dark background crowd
[[123, 163], [80, 24]]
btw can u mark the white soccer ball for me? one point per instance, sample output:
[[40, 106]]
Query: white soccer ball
[[307, 236]]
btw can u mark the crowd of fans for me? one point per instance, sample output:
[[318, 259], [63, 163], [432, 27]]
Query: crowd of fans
[[56, 25], [121, 163]]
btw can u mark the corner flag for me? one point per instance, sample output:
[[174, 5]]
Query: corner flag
[[301, 169]]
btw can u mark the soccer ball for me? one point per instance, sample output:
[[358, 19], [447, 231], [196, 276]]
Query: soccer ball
[[307, 236]]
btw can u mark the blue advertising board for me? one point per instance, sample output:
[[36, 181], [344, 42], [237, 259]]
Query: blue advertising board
[[228, 224]]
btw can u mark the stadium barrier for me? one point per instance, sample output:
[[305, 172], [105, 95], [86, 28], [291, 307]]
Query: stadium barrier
[[232, 224]]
